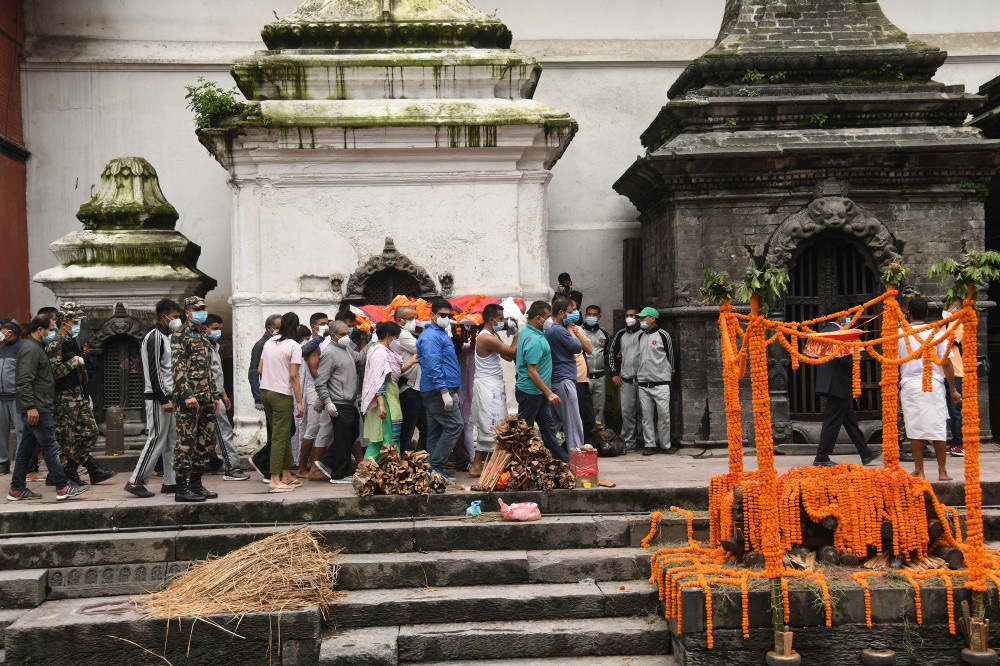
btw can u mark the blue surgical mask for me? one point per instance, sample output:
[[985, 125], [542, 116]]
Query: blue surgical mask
[[323, 330], [75, 331], [350, 330], [215, 335], [499, 326], [49, 337], [199, 317], [591, 321], [573, 317], [644, 325]]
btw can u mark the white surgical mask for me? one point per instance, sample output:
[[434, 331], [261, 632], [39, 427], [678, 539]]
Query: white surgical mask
[[548, 324], [345, 342], [630, 321], [443, 322], [175, 324], [410, 326]]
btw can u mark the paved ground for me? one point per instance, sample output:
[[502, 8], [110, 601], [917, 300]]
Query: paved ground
[[630, 471]]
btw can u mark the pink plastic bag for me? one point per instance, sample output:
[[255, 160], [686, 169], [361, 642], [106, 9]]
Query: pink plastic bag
[[525, 511]]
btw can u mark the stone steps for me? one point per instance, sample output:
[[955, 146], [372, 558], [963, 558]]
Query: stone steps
[[615, 640], [610, 660]]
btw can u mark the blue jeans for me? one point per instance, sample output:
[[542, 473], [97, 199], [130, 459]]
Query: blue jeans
[[535, 407], [443, 427], [42, 436], [955, 414]]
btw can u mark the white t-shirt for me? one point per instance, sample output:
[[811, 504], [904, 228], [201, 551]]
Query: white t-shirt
[[278, 357], [913, 371]]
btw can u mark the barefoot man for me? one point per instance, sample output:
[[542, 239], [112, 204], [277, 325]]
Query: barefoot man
[[925, 412]]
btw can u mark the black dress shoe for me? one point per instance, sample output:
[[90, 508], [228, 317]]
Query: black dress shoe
[[671, 451], [824, 463], [168, 488], [649, 451]]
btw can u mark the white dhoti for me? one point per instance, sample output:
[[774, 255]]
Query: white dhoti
[[925, 414], [489, 408]]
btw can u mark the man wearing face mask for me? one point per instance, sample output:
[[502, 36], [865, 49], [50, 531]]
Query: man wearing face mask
[[409, 384], [319, 325], [337, 388], [653, 375], [158, 396], [440, 382], [489, 396], [196, 401], [10, 345], [224, 436], [599, 339], [621, 358], [565, 345], [75, 426], [533, 391]]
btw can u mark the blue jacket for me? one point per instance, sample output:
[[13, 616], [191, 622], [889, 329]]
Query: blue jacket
[[439, 369], [8, 367]]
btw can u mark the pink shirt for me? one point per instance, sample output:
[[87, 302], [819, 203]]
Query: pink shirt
[[278, 357]]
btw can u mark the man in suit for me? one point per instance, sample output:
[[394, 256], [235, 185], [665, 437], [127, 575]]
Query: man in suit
[[833, 382]]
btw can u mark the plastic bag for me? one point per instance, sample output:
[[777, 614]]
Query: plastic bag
[[474, 509], [524, 511]]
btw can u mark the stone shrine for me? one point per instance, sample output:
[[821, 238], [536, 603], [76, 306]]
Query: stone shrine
[[384, 118], [811, 136]]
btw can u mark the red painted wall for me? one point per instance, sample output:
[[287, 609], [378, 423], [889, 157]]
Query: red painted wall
[[14, 276]]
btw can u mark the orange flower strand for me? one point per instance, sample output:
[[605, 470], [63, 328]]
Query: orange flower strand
[[654, 522]]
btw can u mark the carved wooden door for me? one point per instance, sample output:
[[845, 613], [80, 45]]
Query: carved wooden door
[[121, 376], [830, 273], [389, 283]]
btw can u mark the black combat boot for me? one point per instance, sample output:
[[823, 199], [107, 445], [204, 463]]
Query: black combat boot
[[196, 487], [70, 470], [184, 493], [97, 473]]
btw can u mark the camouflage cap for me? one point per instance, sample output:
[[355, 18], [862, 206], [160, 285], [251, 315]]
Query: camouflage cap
[[194, 303], [71, 309]]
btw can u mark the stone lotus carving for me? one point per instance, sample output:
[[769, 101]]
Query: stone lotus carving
[[390, 258], [830, 213], [129, 198]]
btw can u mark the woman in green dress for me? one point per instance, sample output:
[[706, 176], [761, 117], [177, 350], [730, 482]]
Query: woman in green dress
[[380, 392]]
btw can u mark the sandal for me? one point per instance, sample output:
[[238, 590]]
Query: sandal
[[294, 482], [283, 488]]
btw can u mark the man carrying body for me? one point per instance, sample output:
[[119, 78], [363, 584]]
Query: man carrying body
[[195, 402], [833, 382], [409, 384], [621, 359], [224, 437], [337, 389], [653, 376], [10, 345], [75, 427], [312, 419], [533, 391], [158, 398], [35, 391], [595, 360], [440, 382], [564, 346]]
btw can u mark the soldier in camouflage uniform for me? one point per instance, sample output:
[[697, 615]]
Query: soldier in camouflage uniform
[[195, 402], [75, 427]]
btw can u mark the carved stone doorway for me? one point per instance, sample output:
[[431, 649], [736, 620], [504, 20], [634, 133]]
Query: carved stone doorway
[[829, 273], [385, 276]]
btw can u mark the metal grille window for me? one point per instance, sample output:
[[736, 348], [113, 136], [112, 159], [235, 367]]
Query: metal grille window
[[122, 373], [385, 285], [830, 274]]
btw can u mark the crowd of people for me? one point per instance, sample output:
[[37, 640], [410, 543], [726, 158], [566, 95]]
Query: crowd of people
[[332, 394]]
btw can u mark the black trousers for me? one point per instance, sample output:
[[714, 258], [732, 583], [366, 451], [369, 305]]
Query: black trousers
[[337, 457], [414, 417], [586, 400], [840, 412]]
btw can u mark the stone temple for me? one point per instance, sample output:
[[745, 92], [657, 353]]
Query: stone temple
[[402, 138], [811, 136]]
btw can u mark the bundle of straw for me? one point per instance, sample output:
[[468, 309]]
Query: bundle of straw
[[287, 571]]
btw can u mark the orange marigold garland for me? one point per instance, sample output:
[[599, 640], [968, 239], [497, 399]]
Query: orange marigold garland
[[970, 441], [654, 521]]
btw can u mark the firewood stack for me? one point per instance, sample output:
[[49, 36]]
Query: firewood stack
[[520, 461], [607, 442], [392, 475]]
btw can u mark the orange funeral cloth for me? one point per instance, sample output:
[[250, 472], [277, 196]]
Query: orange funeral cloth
[[817, 345]]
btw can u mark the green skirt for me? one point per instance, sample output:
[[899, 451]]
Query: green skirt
[[377, 430]]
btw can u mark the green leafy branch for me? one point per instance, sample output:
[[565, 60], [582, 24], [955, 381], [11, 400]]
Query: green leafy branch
[[212, 105], [975, 268], [895, 274], [716, 287], [766, 282]]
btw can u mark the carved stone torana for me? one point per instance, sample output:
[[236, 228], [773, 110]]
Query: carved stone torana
[[389, 259], [120, 323], [830, 214]]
